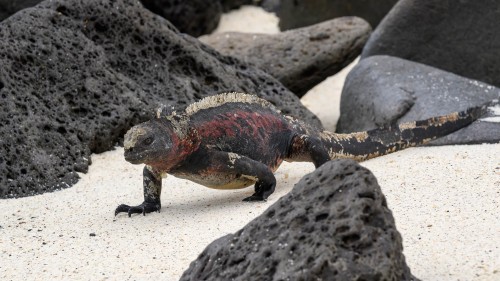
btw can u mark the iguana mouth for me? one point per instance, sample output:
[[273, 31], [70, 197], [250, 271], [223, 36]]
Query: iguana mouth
[[132, 157]]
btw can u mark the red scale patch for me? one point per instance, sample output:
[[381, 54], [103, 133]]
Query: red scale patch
[[242, 123]]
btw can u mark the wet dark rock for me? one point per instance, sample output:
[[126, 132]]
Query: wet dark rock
[[456, 36], [228, 5], [76, 74], [9, 7], [194, 17], [299, 13], [333, 225], [382, 89], [299, 58]]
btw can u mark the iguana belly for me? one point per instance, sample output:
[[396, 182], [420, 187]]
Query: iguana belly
[[219, 181]]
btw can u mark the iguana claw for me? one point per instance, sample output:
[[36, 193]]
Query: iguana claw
[[254, 198], [145, 207]]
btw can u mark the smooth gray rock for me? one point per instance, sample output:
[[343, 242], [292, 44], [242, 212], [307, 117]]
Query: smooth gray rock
[[299, 13], [76, 74], [383, 89], [299, 58], [457, 36], [333, 225]]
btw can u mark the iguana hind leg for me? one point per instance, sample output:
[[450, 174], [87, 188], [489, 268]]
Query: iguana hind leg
[[305, 148], [152, 192], [227, 170], [265, 181]]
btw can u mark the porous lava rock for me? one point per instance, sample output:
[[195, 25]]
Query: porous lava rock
[[456, 36], [382, 89], [194, 17], [333, 225], [299, 13], [76, 74], [299, 58]]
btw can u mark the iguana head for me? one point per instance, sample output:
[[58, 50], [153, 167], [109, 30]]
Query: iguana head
[[149, 142]]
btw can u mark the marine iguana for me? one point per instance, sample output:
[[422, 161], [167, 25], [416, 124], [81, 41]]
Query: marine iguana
[[234, 140]]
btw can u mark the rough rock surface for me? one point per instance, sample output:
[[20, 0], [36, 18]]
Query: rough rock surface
[[75, 74], [382, 89], [194, 17], [299, 13], [333, 225], [456, 36], [299, 58]]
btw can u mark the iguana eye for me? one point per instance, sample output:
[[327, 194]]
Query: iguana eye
[[148, 141]]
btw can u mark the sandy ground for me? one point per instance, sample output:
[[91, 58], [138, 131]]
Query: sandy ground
[[445, 201]]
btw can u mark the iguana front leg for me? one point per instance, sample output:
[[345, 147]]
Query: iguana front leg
[[152, 192]]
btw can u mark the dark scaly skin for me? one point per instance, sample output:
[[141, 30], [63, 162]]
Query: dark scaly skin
[[234, 140]]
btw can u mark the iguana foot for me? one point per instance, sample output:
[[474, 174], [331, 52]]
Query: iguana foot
[[262, 190], [145, 207], [254, 198]]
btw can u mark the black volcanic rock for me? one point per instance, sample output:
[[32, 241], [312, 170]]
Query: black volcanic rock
[[333, 225], [228, 5], [9, 7], [299, 13], [299, 58], [456, 36], [194, 17], [76, 74], [381, 90]]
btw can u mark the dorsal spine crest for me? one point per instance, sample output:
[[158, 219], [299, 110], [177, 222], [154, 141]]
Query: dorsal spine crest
[[224, 98]]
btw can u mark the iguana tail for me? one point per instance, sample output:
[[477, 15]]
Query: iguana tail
[[369, 144]]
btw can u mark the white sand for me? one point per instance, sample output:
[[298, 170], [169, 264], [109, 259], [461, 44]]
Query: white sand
[[248, 19], [445, 201]]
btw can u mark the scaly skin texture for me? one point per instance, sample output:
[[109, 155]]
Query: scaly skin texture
[[234, 140]]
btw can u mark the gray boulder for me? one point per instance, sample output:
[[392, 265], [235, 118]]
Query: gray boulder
[[299, 58], [76, 74], [333, 225], [456, 36], [383, 89]]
